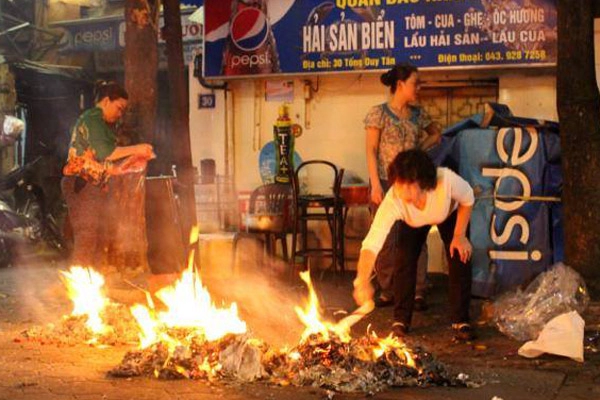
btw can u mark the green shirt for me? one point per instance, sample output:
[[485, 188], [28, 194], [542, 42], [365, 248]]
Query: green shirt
[[92, 132]]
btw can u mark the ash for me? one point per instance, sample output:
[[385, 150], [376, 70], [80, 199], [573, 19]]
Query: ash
[[328, 364], [121, 329]]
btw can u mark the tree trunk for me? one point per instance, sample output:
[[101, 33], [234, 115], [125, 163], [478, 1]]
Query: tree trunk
[[129, 246], [8, 102], [180, 127], [141, 67], [579, 113]]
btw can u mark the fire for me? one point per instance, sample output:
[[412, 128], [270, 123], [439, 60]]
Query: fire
[[315, 325], [391, 343], [188, 305], [312, 319], [148, 325], [84, 288], [187, 335]]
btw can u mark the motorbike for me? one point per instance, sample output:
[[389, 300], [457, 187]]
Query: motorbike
[[27, 218], [31, 204]]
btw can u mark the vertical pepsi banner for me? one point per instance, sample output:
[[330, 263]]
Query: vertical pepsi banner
[[264, 37], [513, 172]]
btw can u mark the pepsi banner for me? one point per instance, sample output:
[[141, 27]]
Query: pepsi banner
[[108, 33], [265, 37], [516, 227]]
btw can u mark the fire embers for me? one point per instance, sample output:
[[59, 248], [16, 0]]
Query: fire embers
[[119, 329], [187, 336], [94, 318], [367, 364], [236, 356], [326, 357]]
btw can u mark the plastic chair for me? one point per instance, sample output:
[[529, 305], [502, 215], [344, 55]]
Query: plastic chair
[[318, 204], [269, 218]]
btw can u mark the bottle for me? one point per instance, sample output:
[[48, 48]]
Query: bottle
[[284, 146], [250, 45]]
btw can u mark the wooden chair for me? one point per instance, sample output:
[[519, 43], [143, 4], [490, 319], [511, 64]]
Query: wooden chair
[[269, 218], [318, 204]]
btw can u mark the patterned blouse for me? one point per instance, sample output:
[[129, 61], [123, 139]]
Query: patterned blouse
[[396, 134], [92, 140]]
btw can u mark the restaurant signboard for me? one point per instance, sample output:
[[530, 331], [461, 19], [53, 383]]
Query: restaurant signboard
[[315, 36], [105, 37]]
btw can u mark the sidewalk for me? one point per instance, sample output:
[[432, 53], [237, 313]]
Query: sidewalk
[[33, 295]]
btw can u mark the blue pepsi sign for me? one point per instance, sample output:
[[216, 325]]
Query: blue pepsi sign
[[516, 227], [310, 36]]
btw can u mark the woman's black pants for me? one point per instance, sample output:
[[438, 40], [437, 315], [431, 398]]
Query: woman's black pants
[[410, 241]]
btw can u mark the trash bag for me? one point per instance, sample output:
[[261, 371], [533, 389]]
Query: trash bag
[[12, 127], [522, 315], [562, 336]]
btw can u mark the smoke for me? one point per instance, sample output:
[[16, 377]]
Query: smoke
[[265, 291], [37, 293], [265, 301]]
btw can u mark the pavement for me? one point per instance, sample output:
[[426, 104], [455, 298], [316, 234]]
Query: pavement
[[31, 294]]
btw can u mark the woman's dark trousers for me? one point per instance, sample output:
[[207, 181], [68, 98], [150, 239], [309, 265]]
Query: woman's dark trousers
[[409, 243]]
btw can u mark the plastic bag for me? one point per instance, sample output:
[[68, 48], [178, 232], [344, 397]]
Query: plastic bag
[[522, 315], [562, 336], [11, 130]]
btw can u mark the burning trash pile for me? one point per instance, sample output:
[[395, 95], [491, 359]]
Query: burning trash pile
[[94, 319], [188, 337], [367, 364], [326, 357]]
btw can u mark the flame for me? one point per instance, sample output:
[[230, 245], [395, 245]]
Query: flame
[[84, 288], [294, 356], [148, 325], [189, 305], [188, 311], [392, 343], [312, 319]]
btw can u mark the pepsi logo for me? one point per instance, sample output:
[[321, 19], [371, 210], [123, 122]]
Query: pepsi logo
[[249, 29]]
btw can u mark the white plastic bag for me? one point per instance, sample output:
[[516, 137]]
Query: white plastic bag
[[562, 336], [11, 130]]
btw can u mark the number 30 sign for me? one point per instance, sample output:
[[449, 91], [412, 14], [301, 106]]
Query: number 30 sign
[[206, 101]]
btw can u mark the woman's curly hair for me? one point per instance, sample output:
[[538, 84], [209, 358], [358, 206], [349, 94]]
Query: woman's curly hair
[[412, 166]]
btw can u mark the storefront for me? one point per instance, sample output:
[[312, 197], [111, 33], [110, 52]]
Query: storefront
[[325, 59], [330, 88]]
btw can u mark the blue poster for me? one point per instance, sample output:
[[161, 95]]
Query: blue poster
[[267, 162], [516, 227], [108, 33], [266, 37]]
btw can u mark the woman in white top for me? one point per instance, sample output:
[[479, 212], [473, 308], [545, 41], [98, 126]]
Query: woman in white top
[[421, 196], [394, 126]]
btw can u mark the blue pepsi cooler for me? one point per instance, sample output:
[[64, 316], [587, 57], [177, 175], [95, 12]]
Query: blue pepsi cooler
[[514, 169]]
